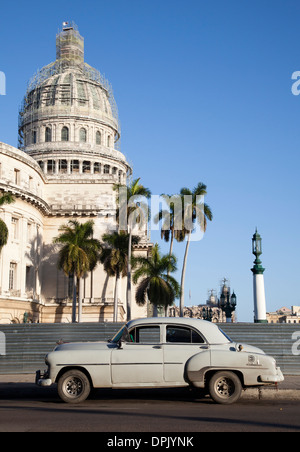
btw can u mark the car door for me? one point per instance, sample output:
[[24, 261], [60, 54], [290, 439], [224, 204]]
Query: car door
[[139, 362], [181, 344]]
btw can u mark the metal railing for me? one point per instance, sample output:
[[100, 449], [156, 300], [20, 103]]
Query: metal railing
[[26, 345]]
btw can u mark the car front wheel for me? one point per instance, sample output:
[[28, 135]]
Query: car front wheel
[[74, 386], [225, 387]]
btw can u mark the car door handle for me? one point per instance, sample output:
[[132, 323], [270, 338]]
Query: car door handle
[[204, 347], [157, 347]]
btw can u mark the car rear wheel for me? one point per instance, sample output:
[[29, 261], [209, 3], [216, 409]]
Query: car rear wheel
[[225, 387], [74, 386]]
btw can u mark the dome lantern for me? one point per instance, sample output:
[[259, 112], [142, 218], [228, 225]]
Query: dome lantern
[[70, 46]]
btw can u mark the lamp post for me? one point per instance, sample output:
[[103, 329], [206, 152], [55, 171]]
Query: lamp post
[[207, 313], [227, 302], [260, 312]]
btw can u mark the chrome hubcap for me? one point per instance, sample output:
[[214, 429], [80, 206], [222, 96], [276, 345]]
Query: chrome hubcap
[[73, 387], [225, 387]]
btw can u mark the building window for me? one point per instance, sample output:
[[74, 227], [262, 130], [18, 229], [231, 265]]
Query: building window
[[14, 228], [114, 170], [97, 168], [17, 177], [29, 232], [86, 167], [34, 137], [63, 166], [82, 135], [74, 166], [41, 164], [98, 137], [12, 276], [65, 134], [108, 141], [106, 169], [48, 134], [120, 177], [29, 278], [51, 166]]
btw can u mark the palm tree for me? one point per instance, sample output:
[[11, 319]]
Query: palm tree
[[78, 255], [114, 257], [135, 207], [156, 284], [5, 198], [171, 222], [195, 211]]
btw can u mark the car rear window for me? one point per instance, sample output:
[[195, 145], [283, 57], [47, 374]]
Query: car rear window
[[179, 334]]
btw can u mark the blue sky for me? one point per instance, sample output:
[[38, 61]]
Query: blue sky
[[204, 94]]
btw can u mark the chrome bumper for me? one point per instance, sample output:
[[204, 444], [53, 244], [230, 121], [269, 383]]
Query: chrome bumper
[[277, 378], [41, 378]]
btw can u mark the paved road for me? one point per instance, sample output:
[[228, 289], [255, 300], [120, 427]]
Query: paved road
[[25, 407]]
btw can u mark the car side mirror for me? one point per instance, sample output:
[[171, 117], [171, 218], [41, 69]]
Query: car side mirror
[[120, 344]]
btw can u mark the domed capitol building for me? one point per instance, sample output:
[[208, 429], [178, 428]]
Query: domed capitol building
[[65, 168]]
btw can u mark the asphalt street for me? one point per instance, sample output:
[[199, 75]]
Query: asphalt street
[[25, 407]]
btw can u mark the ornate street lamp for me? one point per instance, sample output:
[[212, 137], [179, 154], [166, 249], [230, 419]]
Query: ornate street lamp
[[227, 302], [207, 314], [260, 315]]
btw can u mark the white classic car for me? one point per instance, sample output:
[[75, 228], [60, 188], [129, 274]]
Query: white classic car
[[160, 352]]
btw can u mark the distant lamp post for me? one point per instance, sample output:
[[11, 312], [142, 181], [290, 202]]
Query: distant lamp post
[[227, 302], [207, 313], [260, 311]]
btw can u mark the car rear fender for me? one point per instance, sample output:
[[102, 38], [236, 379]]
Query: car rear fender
[[196, 367]]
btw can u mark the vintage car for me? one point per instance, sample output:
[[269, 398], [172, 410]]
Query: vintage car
[[160, 352]]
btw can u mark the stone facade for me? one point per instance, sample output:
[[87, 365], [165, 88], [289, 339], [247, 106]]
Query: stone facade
[[66, 166]]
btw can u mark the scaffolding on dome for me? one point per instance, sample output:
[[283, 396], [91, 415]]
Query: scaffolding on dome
[[69, 55]]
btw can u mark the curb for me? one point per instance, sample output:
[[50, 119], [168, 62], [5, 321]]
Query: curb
[[271, 394]]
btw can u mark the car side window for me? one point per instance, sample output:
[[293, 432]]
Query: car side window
[[179, 334], [145, 335]]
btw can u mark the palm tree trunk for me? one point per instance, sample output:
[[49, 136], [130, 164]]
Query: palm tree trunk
[[168, 273], [116, 298], [80, 287], [74, 299], [128, 294], [183, 274]]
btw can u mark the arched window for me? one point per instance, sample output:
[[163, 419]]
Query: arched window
[[98, 137], [108, 141], [48, 134], [65, 134], [106, 169], [82, 135]]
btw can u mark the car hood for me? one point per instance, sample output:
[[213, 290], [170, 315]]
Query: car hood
[[68, 346]]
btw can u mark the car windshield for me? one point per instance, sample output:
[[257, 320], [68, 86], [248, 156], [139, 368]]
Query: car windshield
[[227, 337], [121, 334]]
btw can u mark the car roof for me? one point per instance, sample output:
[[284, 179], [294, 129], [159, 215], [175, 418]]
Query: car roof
[[209, 330]]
